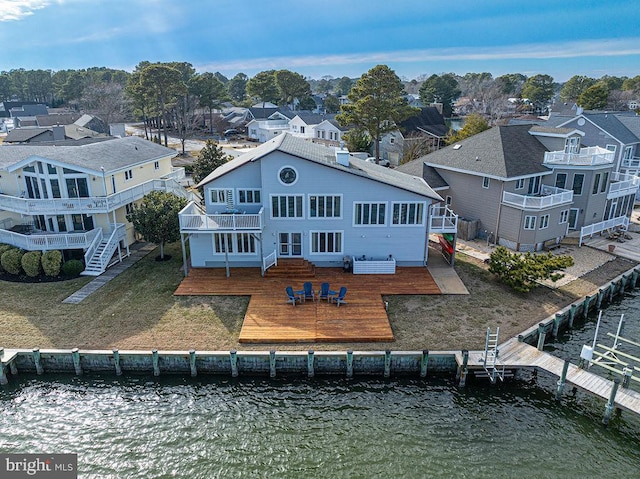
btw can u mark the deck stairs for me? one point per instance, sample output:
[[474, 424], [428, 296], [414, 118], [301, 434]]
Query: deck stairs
[[292, 268], [490, 358], [103, 256]]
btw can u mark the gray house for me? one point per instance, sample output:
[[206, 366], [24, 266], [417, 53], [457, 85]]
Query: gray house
[[290, 198], [529, 185]]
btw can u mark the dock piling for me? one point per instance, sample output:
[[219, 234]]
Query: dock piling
[[563, 380], [310, 363], [192, 363], [349, 363], [556, 324], [542, 333], [627, 372], [37, 362], [424, 363], [387, 363], [608, 410], [156, 362], [3, 376], [233, 356], [272, 363], [75, 354], [116, 362], [462, 370]]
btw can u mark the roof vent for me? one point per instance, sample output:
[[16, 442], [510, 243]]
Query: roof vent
[[477, 158], [342, 156], [457, 146]]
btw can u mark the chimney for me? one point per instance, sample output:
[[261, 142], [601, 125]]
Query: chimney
[[58, 132], [342, 156]]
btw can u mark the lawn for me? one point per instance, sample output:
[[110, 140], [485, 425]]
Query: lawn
[[137, 310]]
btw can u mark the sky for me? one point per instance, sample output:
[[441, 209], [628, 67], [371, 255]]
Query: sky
[[334, 38]]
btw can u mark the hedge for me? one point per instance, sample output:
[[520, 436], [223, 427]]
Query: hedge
[[31, 263], [52, 262], [11, 261], [72, 268], [3, 248]]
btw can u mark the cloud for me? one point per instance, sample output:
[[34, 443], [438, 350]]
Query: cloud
[[543, 51], [11, 10]]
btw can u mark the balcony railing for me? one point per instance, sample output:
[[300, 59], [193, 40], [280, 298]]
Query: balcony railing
[[45, 241], [549, 197], [443, 220], [631, 163], [593, 155], [590, 230], [622, 185], [177, 173], [94, 204], [192, 219]]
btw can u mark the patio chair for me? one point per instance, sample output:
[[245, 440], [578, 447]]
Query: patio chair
[[340, 298], [325, 292], [292, 297], [308, 292]]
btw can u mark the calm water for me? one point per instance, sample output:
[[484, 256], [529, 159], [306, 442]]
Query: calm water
[[141, 427]]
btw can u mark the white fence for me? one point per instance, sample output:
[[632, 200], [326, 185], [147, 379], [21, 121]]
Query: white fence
[[443, 220], [269, 261], [620, 221], [49, 241]]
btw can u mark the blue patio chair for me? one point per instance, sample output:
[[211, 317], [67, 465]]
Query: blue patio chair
[[292, 298], [325, 292], [340, 298], [308, 292]]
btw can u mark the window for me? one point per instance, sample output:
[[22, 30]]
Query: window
[[520, 184], [544, 222], [128, 208], [326, 242], [369, 213], [392, 140], [52, 169], [333, 135], [222, 241], [628, 153], [564, 216], [325, 206], [408, 213], [286, 206], [237, 243], [485, 182], [561, 180], [578, 180], [302, 129], [320, 134], [612, 147], [218, 196], [55, 188], [529, 222], [77, 188], [534, 186], [572, 145], [245, 243], [605, 182], [596, 184], [249, 196], [128, 174], [447, 201], [156, 165]]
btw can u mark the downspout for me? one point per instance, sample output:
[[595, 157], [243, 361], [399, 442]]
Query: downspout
[[495, 236], [184, 255], [426, 243]]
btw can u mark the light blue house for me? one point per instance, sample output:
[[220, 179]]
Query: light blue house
[[290, 198]]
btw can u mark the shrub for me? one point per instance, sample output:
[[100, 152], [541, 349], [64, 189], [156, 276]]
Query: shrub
[[52, 262], [72, 268], [31, 263], [3, 248], [11, 261]]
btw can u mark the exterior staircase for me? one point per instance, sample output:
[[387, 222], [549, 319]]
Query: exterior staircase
[[292, 268], [98, 258]]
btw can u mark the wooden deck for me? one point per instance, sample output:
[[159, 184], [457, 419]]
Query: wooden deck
[[514, 355], [269, 319]]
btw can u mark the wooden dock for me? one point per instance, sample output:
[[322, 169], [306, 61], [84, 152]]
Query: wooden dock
[[519, 355]]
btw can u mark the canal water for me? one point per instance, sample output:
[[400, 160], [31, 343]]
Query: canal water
[[144, 427]]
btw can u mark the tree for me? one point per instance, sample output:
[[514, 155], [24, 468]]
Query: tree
[[237, 87], [522, 272], [324, 86], [156, 219], [539, 90], [291, 86], [358, 139], [574, 87], [377, 104], [210, 92], [106, 100], [441, 89], [595, 97], [473, 124], [343, 87], [511, 83], [307, 103], [210, 157], [331, 104], [263, 87]]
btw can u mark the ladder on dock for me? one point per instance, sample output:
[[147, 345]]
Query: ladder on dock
[[490, 357]]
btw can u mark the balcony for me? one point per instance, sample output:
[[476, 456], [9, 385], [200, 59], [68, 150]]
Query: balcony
[[631, 163], [549, 197], [193, 220], [443, 220], [622, 185], [91, 205], [591, 156], [45, 241], [177, 173]]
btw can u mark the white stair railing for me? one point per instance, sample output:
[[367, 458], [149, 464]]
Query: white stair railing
[[270, 260]]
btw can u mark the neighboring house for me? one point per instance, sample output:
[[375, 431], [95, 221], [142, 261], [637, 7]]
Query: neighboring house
[[264, 129], [530, 185], [290, 198], [320, 128], [421, 133], [77, 197], [52, 134]]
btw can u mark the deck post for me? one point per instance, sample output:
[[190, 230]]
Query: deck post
[[423, 363], [272, 363], [612, 290], [520, 338], [310, 363], [233, 357], [627, 372], [13, 368], [542, 333], [192, 363], [600, 297], [572, 314], [462, 370], [184, 256], [563, 380], [387, 363], [585, 308], [3, 376], [116, 362], [608, 410], [349, 363], [634, 278], [75, 354], [156, 362], [556, 324], [36, 360]]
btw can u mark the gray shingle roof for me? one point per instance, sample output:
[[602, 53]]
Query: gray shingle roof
[[428, 173], [18, 135], [610, 123], [501, 152], [307, 150], [112, 154], [632, 123]]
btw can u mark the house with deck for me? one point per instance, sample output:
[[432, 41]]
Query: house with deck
[[529, 186], [290, 198], [76, 198]]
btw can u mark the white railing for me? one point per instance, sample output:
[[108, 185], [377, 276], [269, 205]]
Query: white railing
[[371, 266], [269, 261], [95, 204], [549, 197], [593, 155], [633, 163], [443, 220], [117, 234], [620, 221], [191, 220], [91, 250], [177, 173], [622, 184], [48, 241]]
